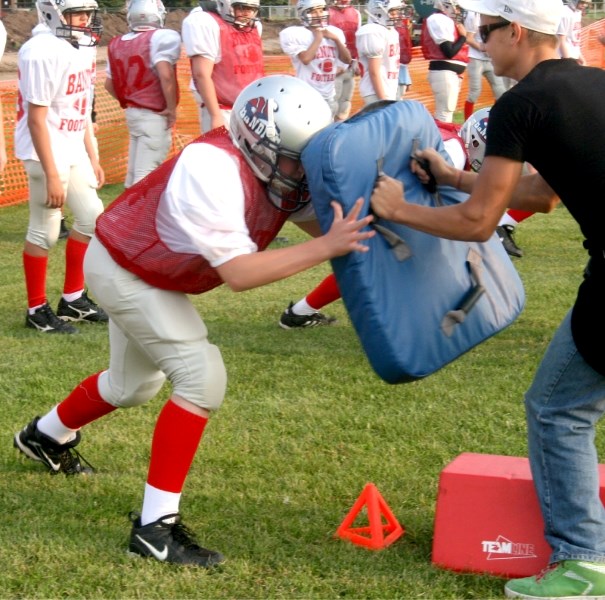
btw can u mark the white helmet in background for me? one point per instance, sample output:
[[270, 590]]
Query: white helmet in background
[[225, 10], [276, 116], [52, 13], [378, 12], [576, 4], [304, 7], [143, 15], [474, 136], [449, 7]]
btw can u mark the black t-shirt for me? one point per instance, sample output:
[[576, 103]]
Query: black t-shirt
[[554, 118]]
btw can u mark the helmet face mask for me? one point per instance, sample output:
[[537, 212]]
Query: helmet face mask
[[227, 10], [388, 13], [474, 136], [320, 17], [55, 14], [143, 15], [275, 117]]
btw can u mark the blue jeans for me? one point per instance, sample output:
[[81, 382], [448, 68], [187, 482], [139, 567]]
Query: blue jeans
[[563, 405]]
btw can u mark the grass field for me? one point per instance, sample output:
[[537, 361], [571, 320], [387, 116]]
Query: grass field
[[305, 425]]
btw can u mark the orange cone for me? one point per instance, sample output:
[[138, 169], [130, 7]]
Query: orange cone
[[377, 535]]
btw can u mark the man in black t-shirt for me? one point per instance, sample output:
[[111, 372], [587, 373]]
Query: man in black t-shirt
[[555, 120]]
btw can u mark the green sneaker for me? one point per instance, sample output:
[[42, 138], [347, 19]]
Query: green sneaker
[[569, 579]]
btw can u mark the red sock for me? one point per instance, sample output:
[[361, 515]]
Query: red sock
[[84, 404], [175, 440], [35, 279], [74, 266], [325, 293], [519, 215], [469, 107]]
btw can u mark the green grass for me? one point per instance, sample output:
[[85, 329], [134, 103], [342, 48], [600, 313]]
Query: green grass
[[305, 425]]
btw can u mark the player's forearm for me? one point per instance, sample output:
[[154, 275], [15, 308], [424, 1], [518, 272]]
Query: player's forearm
[[41, 142], [249, 271], [343, 53], [168, 83]]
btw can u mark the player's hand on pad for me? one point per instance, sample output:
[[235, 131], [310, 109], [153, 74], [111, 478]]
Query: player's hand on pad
[[387, 197], [346, 233], [442, 171]]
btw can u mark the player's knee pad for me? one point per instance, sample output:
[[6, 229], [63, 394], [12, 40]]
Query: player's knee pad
[[86, 215], [41, 238], [205, 380], [130, 394]]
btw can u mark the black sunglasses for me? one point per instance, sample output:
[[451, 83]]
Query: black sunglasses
[[485, 30]]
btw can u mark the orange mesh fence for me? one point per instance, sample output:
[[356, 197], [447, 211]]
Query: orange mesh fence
[[113, 133]]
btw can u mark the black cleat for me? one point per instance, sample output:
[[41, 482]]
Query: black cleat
[[168, 540], [83, 309], [59, 458], [289, 320], [46, 321], [505, 233]]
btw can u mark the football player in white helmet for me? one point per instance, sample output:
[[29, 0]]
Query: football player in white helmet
[[348, 19], [569, 30], [271, 120], [200, 220], [443, 43], [378, 47], [388, 13], [449, 7], [242, 15], [53, 139], [141, 75], [226, 54], [74, 20], [316, 48], [474, 136], [313, 13], [143, 15]]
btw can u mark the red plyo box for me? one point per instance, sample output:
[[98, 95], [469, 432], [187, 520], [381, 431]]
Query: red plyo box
[[488, 519]]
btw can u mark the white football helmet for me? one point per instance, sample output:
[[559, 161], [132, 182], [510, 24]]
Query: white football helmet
[[52, 13], [143, 15], [474, 136], [276, 116], [449, 7], [225, 10], [378, 11], [340, 3], [304, 7], [577, 4]]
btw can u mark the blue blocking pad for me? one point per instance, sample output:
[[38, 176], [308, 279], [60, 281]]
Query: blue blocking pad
[[416, 301]]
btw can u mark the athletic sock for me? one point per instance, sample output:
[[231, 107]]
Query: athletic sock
[[325, 293], [519, 215], [176, 438], [469, 108], [74, 266], [84, 405], [35, 279], [158, 504]]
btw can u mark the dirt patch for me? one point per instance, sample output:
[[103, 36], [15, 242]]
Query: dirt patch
[[19, 25]]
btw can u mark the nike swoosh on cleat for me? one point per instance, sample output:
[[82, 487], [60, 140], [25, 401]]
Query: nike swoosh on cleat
[[54, 466], [162, 556], [39, 328]]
